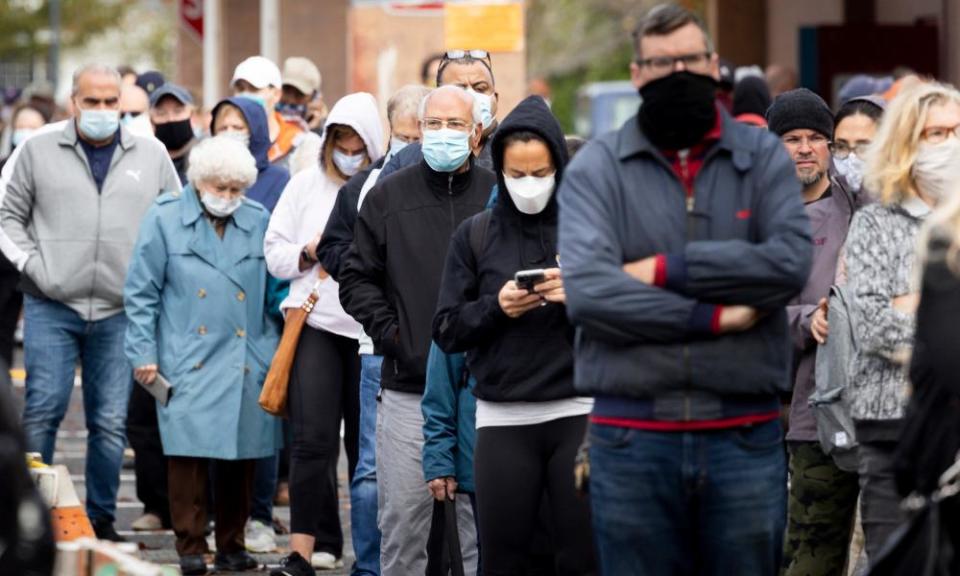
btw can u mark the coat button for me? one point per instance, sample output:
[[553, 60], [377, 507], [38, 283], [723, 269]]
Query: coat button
[[198, 366], [241, 333], [246, 369], [202, 330], [202, 293], [241, 296]]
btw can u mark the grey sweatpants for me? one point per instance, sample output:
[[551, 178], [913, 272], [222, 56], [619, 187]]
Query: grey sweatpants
[[405, 502]]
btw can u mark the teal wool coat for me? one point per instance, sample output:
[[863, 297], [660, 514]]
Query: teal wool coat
[[196, 306]]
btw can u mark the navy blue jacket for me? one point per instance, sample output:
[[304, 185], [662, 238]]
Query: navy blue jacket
[[271, 180], [746, 240]]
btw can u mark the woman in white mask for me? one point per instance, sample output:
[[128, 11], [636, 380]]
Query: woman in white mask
[[519, 344], [325, 378], [195, 298], [912, 165], [855, 127]]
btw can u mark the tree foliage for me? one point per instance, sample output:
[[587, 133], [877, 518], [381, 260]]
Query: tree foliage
[[25, 24]]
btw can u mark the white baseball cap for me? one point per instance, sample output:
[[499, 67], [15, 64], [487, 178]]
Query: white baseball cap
[[260, 72]]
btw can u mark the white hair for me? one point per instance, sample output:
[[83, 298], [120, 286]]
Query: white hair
[[406, 102], [221, 159], [459, 92], [94, 68]]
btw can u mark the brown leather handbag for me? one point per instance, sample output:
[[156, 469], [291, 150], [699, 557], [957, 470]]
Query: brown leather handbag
[[273, 397]]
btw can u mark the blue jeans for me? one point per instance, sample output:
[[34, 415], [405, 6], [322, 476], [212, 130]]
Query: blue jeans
[[685, 503], [54, 337], [363, 489], [264, 488]]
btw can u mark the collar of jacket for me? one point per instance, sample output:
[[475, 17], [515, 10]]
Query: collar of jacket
[[70, 137], [633, 142], [440, 183], [191, 210]]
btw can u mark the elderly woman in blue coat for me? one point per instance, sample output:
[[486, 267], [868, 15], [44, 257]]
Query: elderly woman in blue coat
[[195, 299]]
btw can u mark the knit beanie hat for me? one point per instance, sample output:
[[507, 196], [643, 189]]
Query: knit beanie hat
[[800, 109], [751, 96]]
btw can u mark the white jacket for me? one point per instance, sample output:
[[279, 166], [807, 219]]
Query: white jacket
[[302, 213]]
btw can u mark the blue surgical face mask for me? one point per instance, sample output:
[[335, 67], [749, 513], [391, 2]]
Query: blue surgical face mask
[[99, 125], [240, 136], [484, 104], [18, 136], [255, 97], [445, 150], [348, 164], [396, 145]]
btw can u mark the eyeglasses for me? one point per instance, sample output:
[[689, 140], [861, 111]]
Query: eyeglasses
[[938, 134], [663, 65], [462, 54], [841, 149], [815, 141], [453, 124]]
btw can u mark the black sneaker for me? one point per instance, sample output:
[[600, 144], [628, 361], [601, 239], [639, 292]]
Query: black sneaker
[[105, 531], [193, 565], [235, 562], [294, 565]]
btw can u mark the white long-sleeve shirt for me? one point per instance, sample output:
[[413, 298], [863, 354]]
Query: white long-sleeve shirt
[[299, 216]]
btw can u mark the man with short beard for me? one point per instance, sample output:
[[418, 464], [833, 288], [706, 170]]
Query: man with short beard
[[822, 497]]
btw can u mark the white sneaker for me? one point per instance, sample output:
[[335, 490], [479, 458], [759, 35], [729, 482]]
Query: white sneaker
[[325, 561], [259, 537], [149, 522]]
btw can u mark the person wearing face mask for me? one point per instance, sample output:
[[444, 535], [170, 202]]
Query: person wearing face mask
[[301, 89], [259, 79], [245, 121], [196, 298], [856, 124], [471, 70], [822, 496], [389, 282], [24, 122], [171, 110], [332, 250], [325, 378], [911, 171], [134, 103], [683, 238], [529, 418], [71, 214]]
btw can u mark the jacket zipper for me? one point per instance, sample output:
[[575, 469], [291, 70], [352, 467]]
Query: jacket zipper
[[684, 157], [453, 217]]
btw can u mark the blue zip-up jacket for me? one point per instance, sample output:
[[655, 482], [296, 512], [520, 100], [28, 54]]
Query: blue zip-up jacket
[[649, 352]]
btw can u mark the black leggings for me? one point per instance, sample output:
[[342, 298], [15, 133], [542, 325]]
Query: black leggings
[[324, 387], [514, 466]]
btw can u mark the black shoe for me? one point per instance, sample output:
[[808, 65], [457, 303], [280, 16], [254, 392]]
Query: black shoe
[[193, 565], [294, 565], [235, 562], [104, 531]]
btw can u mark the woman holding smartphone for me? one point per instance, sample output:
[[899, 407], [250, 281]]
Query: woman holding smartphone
[[530, 421]]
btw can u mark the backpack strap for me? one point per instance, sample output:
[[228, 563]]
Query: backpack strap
[[478, 232]]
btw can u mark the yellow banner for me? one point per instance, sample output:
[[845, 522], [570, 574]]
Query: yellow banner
[[495, 27]]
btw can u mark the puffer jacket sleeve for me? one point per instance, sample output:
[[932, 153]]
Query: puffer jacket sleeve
[[440, 408], [338, 234], [464, 319], [881, 329], [602, 299], [763, 274], [143, 289]]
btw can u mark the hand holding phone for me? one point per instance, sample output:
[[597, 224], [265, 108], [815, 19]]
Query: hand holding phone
[[527, 279]]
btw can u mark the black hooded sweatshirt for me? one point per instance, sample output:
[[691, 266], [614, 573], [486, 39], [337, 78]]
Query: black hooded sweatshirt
[[390, 278], [529, 358]]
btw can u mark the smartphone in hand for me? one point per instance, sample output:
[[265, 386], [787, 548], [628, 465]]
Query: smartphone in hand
[[161, 389], [527, 279]]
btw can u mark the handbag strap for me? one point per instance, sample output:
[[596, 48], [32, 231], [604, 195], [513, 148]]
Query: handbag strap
[[312, 298]]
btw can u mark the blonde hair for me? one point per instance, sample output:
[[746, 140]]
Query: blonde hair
[[333, 133], [889, 163]]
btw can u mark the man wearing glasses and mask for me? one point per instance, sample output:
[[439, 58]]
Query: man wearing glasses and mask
[[471, 70], [683, 238]]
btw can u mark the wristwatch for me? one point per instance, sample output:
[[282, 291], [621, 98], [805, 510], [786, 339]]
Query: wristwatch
[[306, 256]]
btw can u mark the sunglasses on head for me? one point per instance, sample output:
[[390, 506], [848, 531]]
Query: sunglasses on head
[[462, 54]]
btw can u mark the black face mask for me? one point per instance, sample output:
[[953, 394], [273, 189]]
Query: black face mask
[[678, 110], [174, 135]]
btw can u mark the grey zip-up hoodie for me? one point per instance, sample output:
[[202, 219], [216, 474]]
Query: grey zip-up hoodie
[[73, 243]]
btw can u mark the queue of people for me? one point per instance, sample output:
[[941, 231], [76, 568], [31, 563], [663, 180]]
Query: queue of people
[[547, 363]]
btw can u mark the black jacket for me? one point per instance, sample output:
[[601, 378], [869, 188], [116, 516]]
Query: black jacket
[[391, 277], [529, 358], [337, 236]]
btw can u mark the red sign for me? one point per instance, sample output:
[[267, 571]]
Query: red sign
[[191, 15]]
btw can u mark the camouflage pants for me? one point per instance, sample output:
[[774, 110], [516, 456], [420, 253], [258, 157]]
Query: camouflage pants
[[821, 508]]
